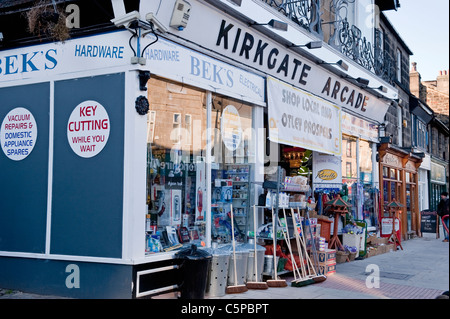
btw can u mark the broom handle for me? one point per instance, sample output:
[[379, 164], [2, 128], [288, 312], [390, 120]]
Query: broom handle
[[288, 243], [300, 242], [274, 247], [309, 262], [234, 244], [299, 247], [254, 237]]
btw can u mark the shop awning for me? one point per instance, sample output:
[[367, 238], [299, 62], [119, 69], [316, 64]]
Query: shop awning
[[420, 109]]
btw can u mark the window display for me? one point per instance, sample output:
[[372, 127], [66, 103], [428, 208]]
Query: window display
[[176, 166]]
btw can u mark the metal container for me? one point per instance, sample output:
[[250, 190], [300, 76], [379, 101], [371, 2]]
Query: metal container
[[241, 265], [218, 273], [268, 265], [260, 251]]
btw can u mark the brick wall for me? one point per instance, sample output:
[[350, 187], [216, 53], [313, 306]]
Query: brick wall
[[437, 95]]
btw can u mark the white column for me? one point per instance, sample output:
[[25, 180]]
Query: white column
[[208, 168]]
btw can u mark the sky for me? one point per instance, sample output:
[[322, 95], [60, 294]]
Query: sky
[[424, 27]]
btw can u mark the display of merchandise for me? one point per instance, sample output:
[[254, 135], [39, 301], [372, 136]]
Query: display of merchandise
[[231, 188]]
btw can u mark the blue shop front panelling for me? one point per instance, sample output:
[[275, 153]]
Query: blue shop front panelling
[[87, 199], [24, 182]]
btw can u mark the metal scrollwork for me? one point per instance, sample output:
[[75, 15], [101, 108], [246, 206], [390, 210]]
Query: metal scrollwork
[[343, 36], [306, 13]]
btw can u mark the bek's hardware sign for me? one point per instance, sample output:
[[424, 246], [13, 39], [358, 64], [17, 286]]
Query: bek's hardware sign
[[300, 119], [164, 58]]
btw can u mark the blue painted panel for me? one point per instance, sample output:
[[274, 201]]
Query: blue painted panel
[[87, 201], [71, 279], [23, 184]]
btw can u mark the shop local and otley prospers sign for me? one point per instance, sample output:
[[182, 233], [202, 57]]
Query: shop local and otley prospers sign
[[301, 119], [18, 133], [88, 129]]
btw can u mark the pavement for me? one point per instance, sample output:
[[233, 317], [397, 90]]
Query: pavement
[[419, 271]]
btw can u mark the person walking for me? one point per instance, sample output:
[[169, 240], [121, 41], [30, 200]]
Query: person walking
[[442, 210]]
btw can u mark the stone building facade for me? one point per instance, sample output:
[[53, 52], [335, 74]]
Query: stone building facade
[[434, 92]]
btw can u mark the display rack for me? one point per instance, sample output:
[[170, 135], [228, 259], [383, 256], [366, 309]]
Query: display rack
[[280, 187], [231, 187]]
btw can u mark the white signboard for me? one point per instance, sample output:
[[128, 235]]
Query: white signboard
[[18, 134], [301, 119], [386, 226], [231, 128], [355, 126], [88, 129], [164, 58], [327, 169]]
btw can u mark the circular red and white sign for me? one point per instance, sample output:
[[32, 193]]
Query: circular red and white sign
[[88, 129], [18, 133]]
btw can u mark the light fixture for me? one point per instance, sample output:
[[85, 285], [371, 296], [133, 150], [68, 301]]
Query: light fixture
[[340, 63], [362, 81], [309, 45], [275, 24], [1, 36], [236, 2], [381, 88]]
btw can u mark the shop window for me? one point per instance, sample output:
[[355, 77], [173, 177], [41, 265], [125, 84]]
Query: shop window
[[385, 172], [177, 196], [174, 165]]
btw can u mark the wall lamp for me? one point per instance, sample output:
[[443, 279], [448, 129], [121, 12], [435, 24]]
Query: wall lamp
[[236, 2], [381, 88], [275, 24], [340, 63], [309, 45]]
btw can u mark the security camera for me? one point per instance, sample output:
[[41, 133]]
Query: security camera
[[151, 18], [126, 19]]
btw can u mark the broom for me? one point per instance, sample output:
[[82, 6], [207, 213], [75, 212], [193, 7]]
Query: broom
[[276, 283], [256, 284], [303, 280], [300, 282], [317, 278], [236, 289]]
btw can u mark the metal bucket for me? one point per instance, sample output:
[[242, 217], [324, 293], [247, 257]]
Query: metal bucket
[[260, 251], [217, 278], [241, 268], [268, 265]]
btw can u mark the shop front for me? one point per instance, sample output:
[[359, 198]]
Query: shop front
[[437, 182], [399, 180], [131, 162], [119, 160]]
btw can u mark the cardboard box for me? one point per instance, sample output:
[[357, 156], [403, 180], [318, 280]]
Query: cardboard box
[[326, 269], [327, 256], [378, 241]]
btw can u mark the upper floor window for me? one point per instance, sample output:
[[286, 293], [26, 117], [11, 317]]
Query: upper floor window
[[420, 134], [399, 65]]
